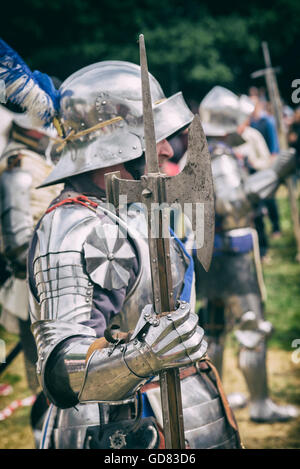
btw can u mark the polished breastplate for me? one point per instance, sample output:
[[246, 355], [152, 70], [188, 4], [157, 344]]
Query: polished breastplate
[[65, 289], [141, 292]]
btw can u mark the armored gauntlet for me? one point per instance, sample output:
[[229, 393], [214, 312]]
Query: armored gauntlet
[[169, 340], [264, 183]]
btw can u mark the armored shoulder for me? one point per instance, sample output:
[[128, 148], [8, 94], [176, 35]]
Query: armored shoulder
[[76, 250], [64, 290], [64, 229]]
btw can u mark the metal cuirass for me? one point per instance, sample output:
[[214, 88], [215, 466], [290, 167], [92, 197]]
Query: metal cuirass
[[232, 206], [61, 276], [141, 292]]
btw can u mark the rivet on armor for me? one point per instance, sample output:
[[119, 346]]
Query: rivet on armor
[[147, 193], [88, 292], [169, 316], [87, 300], [120, 151], [135, 342], [103, 103], [110, 256], [134, 147], [182, 307], [155, 322], [90, 284], [146, 315]]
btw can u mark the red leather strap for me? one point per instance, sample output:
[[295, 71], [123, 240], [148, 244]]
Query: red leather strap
[[80, 199], [184, 373]]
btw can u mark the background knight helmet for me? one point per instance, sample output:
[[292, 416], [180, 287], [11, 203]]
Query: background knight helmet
[[222, 111], [101, 115]]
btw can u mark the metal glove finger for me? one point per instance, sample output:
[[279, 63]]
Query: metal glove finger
[[177, 335], [172, 320], [194, 357], [185, 349]]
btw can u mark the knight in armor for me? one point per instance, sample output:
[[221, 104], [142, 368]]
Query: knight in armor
[[233, 289], [24, 167], [100, 345]]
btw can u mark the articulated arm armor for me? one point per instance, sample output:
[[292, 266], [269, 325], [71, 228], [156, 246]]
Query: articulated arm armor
[[74, 365], [16, 218], [113, 372], [264, 183], [236, 192]]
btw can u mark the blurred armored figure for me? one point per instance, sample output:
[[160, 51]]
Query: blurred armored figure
[[233, 288], [257, 156], [99, 342], [24, 167], [5, 125]]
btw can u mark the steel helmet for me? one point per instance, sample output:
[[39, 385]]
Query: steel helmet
[[222, 111], [101, 114]]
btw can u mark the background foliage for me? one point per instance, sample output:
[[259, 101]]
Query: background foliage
[[192, 45]]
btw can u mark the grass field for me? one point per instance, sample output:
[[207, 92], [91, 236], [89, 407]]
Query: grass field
[[282, 278]]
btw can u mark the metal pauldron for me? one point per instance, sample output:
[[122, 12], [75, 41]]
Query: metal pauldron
[[64, 290]]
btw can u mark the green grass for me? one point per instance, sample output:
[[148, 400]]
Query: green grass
[[282, 279]]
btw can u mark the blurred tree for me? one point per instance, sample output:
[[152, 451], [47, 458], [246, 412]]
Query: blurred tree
[[192, 45]]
